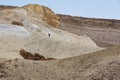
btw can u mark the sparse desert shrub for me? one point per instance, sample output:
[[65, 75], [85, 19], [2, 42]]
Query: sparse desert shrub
[[17, 23], [25, 54], [35, 56]]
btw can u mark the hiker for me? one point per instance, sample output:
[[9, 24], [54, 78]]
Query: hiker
[[49, 34]]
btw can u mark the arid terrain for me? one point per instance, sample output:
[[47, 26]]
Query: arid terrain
[[105, 32], [37, 44]]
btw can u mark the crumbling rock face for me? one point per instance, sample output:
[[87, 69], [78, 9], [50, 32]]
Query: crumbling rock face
[[105, 32], [43, 13]]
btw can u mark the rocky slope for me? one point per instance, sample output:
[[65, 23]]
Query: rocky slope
[[21, 29], [105, 32], [43, 13], [40, 12], [74, 57], [102, 65]]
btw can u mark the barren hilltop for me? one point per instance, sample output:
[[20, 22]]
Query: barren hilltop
[[41, 12], [37, 44]]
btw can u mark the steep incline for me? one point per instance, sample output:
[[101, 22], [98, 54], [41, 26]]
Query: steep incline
[[77, 57], [104, 32], [20, 29]]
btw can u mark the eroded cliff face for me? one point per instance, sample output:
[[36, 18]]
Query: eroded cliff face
[[43, 13], [105, 32], [89, 22]]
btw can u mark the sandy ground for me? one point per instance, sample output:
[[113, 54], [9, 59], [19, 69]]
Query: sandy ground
[[57, 45], [38, 37], [77, 57], [102, 65]]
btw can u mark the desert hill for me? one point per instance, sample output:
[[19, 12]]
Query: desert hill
[[40, 12], [105, 32], [73, 57], [23, 28]]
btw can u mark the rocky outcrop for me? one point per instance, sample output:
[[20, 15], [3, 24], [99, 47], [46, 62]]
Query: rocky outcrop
[[43, 13]]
